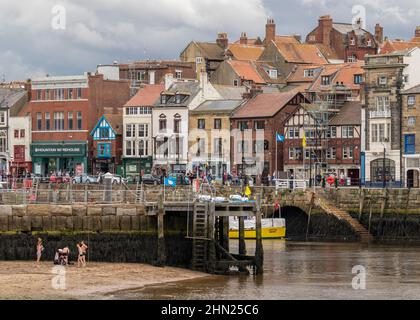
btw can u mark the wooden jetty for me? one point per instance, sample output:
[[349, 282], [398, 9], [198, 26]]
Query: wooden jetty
[[208, 229]]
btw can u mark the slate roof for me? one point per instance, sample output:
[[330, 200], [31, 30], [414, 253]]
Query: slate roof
[[222, 106], [264, 105], [350, 114], [15, 99], [189, 90], [413, 90]]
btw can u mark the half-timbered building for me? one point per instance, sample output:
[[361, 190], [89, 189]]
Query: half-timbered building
[[107, 143]]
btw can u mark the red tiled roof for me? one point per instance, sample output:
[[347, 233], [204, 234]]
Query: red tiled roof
[[246, 52], [298, 74], [390, 46], [343, 73], [265, 105], [246, 70], [146, 96], [301, 53], [286, 39]]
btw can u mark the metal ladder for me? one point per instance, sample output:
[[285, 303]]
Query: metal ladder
[[139, 192], [33, 194], [200, 221]]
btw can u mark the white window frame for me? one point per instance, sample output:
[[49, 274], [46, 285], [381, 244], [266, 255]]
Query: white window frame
[[411, 101]]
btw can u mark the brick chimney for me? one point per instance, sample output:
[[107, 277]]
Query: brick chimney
[[244, 38], [379, 33], [417, 33], [325, 28], [222, 40], [270, 31]]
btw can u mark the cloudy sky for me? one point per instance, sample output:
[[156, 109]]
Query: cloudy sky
[[34, 41]]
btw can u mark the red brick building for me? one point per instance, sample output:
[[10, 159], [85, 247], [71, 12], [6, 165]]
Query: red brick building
[[64, 111], [254, 127], [344, 41]]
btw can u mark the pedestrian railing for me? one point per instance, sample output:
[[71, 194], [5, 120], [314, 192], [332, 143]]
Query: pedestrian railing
[[291, 184]]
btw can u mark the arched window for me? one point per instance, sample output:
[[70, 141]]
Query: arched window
[[162, 122], [377, 169]]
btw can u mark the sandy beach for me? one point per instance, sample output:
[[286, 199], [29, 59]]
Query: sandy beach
[[24, 280]]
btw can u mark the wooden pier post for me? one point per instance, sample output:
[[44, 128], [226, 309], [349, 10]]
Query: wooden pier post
[[259, 252], [242, 245], [225, 233], [362, 203], [211, 245], [161, 255]]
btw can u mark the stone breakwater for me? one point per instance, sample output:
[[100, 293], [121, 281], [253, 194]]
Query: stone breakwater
[[77, 217]]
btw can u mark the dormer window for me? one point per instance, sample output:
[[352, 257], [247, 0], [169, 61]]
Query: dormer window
[[273, 73], [325, 81], [308, 73], [163, 99], [369, 43], [178, 98]]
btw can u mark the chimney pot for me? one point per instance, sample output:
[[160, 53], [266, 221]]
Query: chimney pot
[[270, 31], [222, 40], [417, 33]]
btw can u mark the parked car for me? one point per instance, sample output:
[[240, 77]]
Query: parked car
[[150, 179], [85, 178], [116, 179]]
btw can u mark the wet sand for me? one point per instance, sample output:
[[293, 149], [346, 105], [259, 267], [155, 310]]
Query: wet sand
[[24, 280]]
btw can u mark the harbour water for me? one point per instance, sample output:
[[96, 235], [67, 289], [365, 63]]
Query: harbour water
[[297, 270]]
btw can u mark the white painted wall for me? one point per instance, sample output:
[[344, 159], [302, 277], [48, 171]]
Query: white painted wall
[[20, 123], [109, 72], [137, 119], [412, 70], [170, 113]]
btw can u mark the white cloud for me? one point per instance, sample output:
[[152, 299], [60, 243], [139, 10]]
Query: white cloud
[[98, 30]]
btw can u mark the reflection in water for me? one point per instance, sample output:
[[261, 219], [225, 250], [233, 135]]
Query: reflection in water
[[295, 270]]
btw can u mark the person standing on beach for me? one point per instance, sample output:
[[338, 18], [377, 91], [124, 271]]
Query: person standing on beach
[[82, 247], [39, 249]]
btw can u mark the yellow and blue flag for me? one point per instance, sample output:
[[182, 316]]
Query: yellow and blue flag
[[304, 140]]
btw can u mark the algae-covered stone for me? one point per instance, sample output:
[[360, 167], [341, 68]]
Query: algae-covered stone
[[94, 211], [19, 210], [61, 211], [5, 210], [79, 210]]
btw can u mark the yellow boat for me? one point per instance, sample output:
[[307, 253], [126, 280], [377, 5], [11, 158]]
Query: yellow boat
[[271, 228]]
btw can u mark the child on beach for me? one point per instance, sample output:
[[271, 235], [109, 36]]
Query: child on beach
[[39, 249], [82, 247]]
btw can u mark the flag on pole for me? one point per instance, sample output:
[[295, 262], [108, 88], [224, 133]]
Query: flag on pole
[[304, 140], [279, 137]]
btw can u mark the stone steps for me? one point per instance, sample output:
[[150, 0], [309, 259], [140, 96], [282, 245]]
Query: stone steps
[[364, 234]]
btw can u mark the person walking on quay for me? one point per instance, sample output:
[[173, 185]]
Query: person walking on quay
[[39, 249], [82, 248]]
